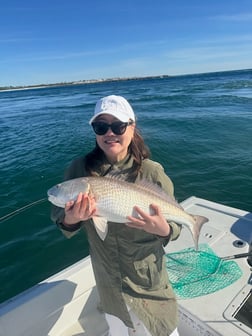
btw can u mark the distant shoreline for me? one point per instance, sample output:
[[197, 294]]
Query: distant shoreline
[[103, 80], [80, 82]]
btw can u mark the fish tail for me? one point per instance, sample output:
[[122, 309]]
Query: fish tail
[[199, 221]]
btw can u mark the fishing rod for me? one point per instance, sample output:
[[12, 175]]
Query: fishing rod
[[18, 211], [237, 256]]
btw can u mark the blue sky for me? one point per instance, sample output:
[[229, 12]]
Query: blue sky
[[57, 40]]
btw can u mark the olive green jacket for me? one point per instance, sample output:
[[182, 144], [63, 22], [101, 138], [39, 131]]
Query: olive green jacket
[[129, 265]]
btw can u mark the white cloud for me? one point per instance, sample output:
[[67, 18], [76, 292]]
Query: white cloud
[[239, 17]]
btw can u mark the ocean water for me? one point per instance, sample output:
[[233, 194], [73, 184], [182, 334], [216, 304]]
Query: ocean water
[[199, 127]]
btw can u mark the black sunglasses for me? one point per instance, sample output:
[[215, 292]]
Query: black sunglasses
[[117, 127]]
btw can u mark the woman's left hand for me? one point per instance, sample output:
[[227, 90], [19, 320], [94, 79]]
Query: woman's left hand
[[154, 223]]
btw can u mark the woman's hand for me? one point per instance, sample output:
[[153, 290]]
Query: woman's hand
[[80, 210], [154, 223]]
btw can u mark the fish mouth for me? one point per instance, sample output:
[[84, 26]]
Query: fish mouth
[[54, 200]]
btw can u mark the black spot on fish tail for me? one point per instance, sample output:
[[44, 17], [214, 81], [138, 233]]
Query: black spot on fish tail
[[199, 221]]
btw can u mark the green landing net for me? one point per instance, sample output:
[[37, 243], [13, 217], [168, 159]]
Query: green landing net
[[196, 273]]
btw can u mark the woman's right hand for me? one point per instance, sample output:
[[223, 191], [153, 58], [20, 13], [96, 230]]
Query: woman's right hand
[[80, 210]]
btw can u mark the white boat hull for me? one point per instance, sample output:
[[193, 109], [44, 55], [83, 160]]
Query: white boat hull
[[66, 303]]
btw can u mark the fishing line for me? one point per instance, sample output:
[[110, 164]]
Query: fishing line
[[22, 209]]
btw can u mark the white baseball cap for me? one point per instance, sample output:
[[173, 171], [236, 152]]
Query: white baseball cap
[[116, 106]]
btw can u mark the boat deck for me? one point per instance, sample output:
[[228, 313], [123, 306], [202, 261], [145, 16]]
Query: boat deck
[[66, 304], [227, 233]]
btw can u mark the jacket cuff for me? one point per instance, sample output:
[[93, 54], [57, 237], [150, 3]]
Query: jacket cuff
[[69, 228], [165, 239]]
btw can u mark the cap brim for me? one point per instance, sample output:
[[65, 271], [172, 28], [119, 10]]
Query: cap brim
[[115, 114]]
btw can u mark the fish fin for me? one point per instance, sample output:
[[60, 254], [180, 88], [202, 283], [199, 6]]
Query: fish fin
[[199, 221], [101, 226]]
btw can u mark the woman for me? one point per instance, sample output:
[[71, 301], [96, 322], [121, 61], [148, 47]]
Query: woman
[[129, 263]]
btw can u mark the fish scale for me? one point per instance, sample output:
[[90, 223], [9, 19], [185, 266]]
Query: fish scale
[[115, 200], [122, 196]]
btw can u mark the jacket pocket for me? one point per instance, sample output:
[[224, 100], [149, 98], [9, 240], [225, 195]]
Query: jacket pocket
[[148, 272]]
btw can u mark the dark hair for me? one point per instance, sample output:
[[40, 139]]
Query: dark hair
[[137, 148]]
